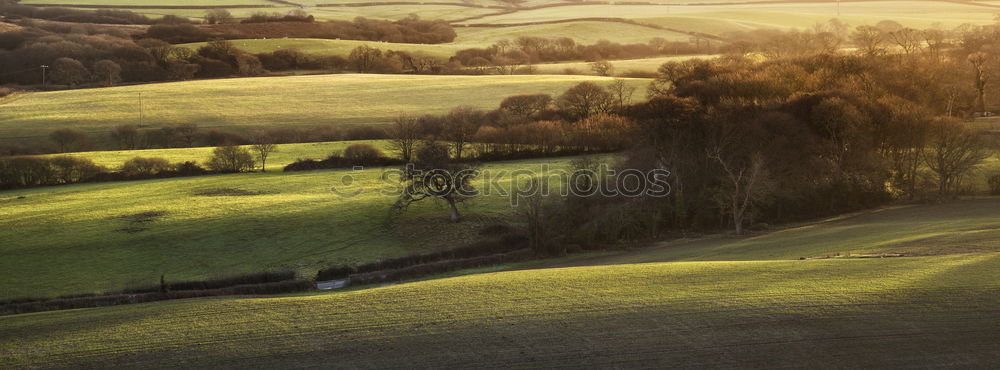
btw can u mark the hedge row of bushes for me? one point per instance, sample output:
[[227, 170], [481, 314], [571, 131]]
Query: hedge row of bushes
[[503, 244], [245, 279], [25, 172], [439, 267], [224, 282], [119, 299]]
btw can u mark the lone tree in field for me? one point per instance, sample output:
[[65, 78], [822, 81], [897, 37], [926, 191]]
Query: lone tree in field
[[403, 136], [263, 145], [218, 16], [231, 159], [602, 68], [435, 175]]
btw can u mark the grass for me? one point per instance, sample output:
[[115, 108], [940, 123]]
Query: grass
[[251, 103], [929, 311], [647, 65], [91, 237], [284, 155], [338, 47]]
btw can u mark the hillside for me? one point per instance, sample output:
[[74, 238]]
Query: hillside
[[249, 103], [931, 310], [107, 236]]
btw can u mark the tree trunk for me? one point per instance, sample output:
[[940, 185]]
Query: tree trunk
[[454, 209]]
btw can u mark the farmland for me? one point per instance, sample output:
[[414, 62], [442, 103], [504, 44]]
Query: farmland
[[249, 103], [283, 155], [746, 302], [96, 237]]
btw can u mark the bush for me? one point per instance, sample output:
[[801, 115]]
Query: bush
[[86, 301], [362, 153], [231, 159], [144, 167]]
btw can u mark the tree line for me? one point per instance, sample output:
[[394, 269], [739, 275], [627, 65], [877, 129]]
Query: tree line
[[752, 141]]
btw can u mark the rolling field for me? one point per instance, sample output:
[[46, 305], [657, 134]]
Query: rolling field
[[938, 309], [97, 237], [284, 155], [337, 47], [250, 103], [647, 65]]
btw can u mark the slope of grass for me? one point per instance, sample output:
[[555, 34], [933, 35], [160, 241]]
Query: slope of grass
[[582, 32], [95, 237], [284, 155], [337, 47], [903, 312], [646, 65], [249, 103]]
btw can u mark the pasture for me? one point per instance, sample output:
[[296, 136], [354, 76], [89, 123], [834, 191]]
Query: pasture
[[250, 103], [748, 306], [283, 155], [97, 237]]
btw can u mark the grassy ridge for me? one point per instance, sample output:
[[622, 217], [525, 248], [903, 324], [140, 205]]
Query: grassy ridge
[[96, 237], [249, 103]]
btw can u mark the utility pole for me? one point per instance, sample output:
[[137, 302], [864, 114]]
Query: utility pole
[[44, 67]]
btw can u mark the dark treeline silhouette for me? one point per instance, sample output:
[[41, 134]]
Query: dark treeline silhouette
[[752, 141], [99, 16]]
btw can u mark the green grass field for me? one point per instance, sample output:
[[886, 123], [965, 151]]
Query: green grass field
[[338, 47], [647, 65], [744, 303], [96, 237], [284, 155], [251, 103]]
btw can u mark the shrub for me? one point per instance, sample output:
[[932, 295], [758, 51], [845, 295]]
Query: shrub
[[360, 154], [231, 159], [144, 167]]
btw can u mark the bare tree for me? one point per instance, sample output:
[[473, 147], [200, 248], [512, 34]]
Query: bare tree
[[602, 68], [979, 62], [231, 159], [745, 183], [404, 134], [68, 139], [435, 175], [459, 126], [621, 94], [218, 15], [869, 40], [365, 58], [263, 145], [954, 151]]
